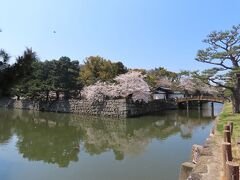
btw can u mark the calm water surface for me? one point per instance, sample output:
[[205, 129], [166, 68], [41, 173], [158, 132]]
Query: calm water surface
[[42, 146]]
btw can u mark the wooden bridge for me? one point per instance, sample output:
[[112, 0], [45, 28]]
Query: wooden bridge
[[200, 99], [188, 102]]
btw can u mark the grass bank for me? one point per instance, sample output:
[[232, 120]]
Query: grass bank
[[225, 117]]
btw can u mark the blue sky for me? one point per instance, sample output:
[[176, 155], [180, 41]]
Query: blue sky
[[140, 33]]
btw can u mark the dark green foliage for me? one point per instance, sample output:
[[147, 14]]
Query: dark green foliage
[[23, 70], [5, 72], [4, 56], [31, 78], [63, 75]]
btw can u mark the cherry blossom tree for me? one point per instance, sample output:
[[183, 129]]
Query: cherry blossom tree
[[97, 91], [129, 85], [193, 85], [164, 81]]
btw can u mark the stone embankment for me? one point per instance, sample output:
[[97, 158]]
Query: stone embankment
[[210, 161], [206, 161], [112, 108]]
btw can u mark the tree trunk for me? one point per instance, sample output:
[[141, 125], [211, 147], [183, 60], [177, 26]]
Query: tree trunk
[[236, 96], [47, 95], [235, 103], [66, 95], [33, 97], [57, 95]]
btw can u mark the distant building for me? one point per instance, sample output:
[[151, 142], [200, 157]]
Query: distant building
[[167, 94], [176, 95], [161, 93]]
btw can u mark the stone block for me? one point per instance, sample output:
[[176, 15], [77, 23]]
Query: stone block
[[196, 152], [186, 169]]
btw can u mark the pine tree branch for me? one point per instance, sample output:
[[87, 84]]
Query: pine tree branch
[[215, 63], [221, 85]]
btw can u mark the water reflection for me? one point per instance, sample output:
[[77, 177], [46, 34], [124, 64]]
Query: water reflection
[[51, 137]]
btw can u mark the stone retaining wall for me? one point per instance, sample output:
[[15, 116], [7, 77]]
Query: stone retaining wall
[[112, 108]]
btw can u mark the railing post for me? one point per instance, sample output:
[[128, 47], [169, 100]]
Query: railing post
[[199, 106], [212, 109], [227, 127], [232, 170], [227, 136], [230, 124], [227, 154]]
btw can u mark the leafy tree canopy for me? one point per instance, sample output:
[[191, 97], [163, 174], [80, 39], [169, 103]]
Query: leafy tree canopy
[[97, 68]]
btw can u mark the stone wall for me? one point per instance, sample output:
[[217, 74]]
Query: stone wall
[[138, 109], [112, 108]]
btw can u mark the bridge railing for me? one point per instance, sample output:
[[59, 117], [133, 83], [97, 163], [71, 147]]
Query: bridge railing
[[200, 98]]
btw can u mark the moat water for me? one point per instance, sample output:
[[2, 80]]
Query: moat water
[[51, 146]]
